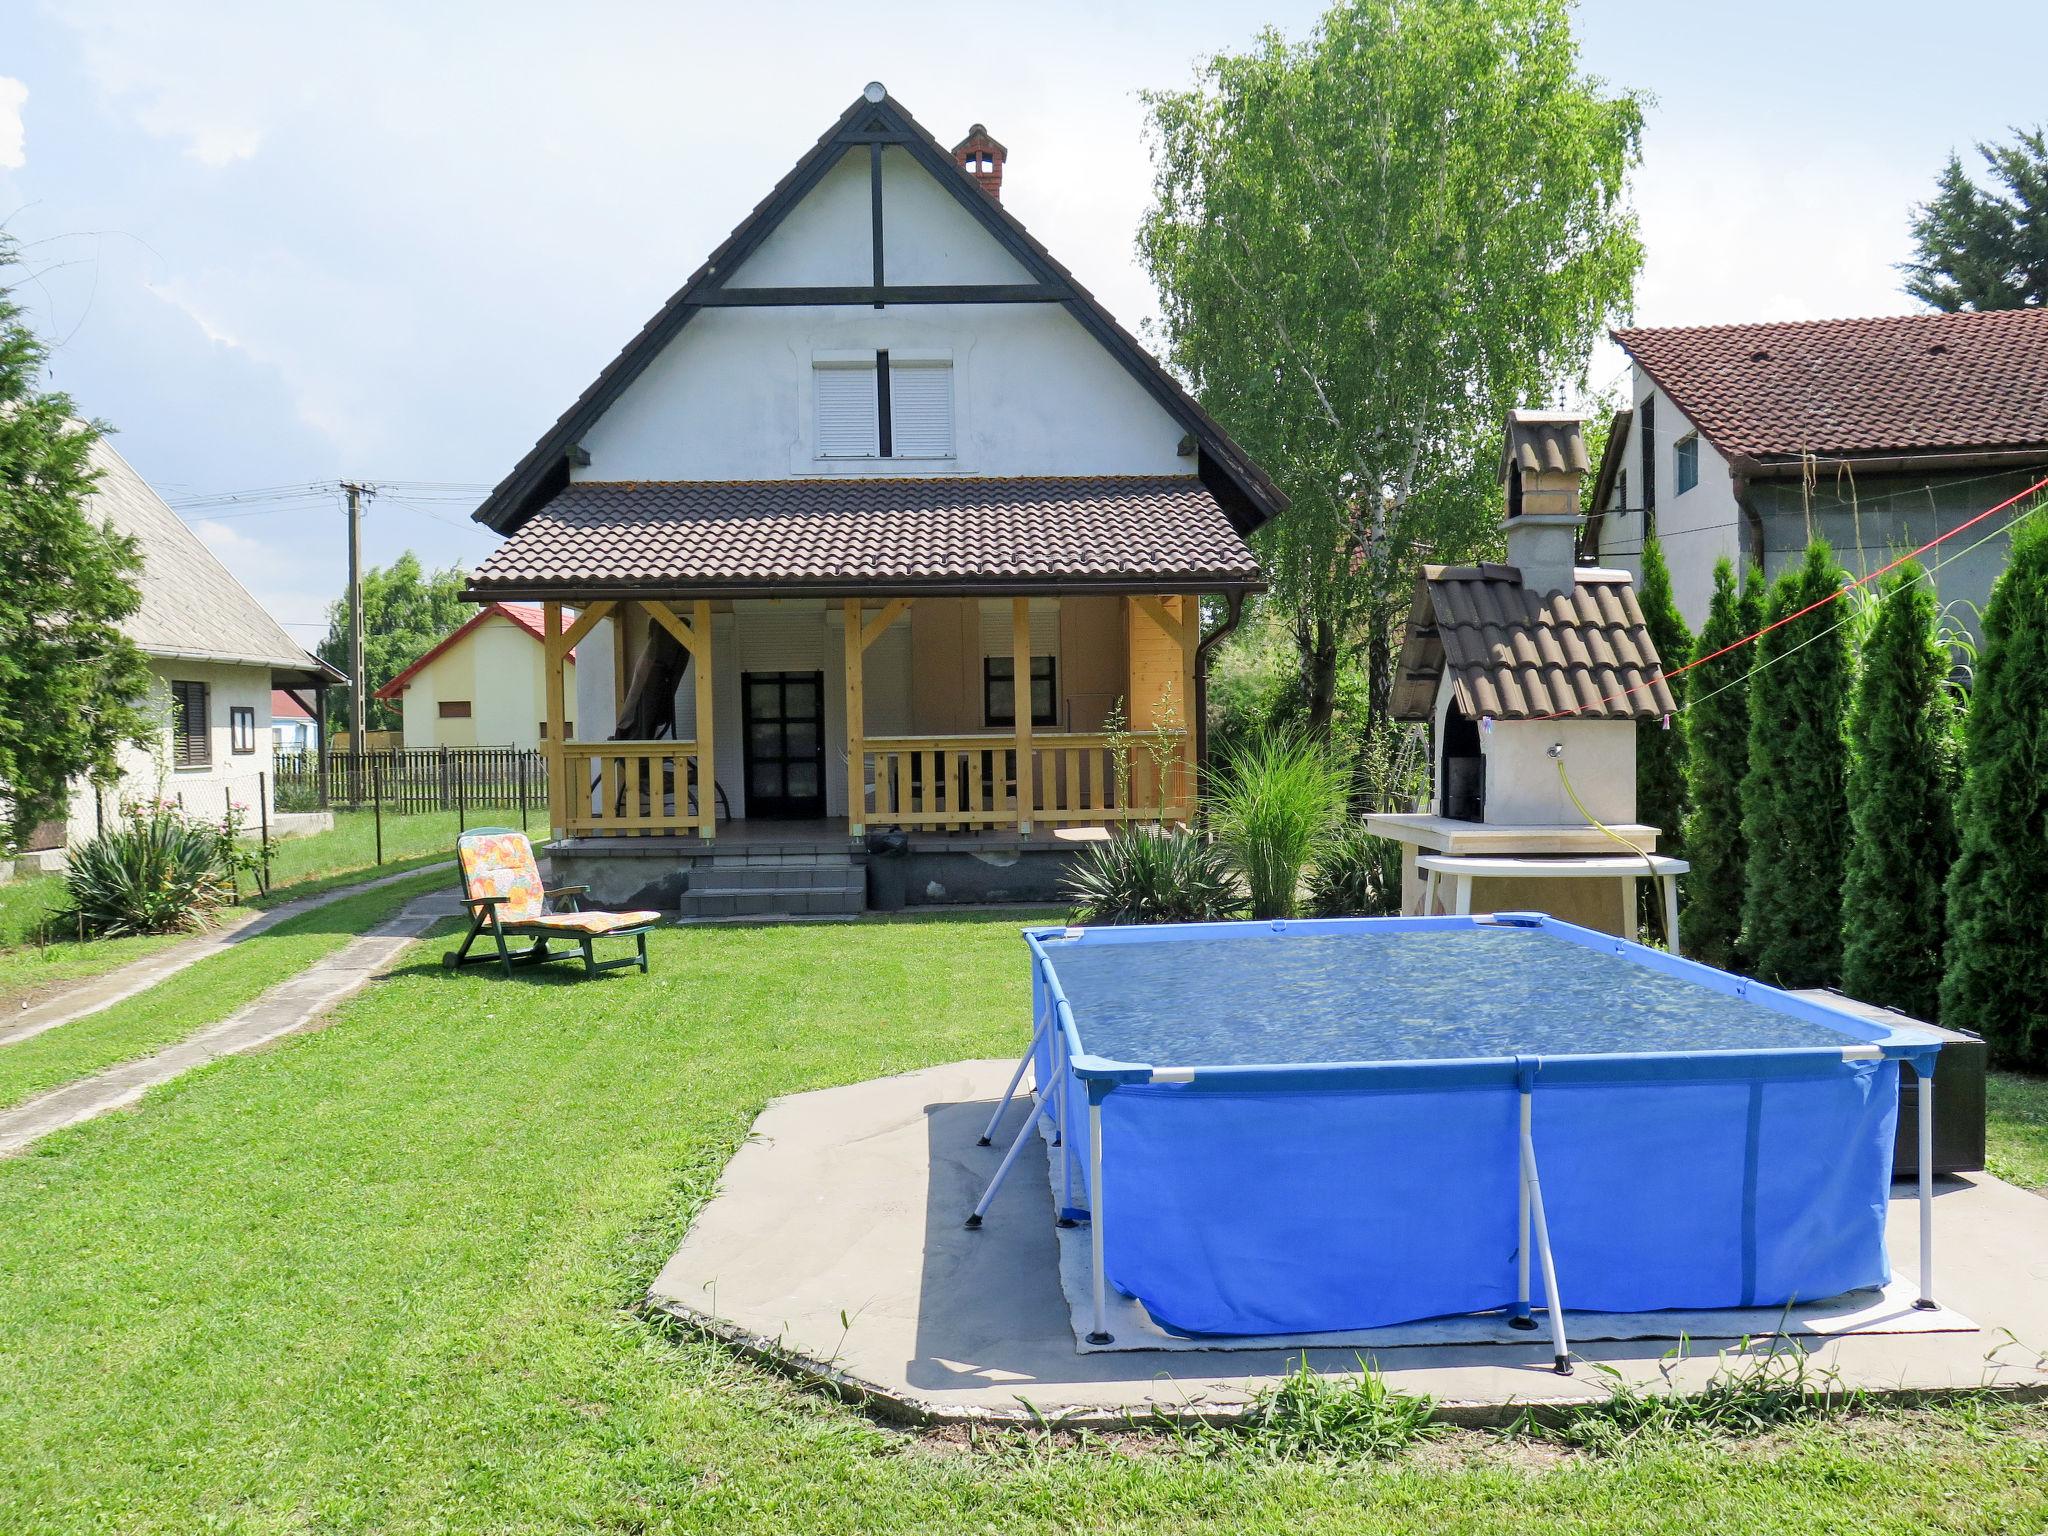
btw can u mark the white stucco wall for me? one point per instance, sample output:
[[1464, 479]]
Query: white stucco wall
[[1696, 528], [730, 397], [1522, 783], [499, 669], [203, 790]]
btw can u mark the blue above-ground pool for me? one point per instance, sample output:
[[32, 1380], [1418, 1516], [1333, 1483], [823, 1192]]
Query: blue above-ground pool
[[1319, 1126]]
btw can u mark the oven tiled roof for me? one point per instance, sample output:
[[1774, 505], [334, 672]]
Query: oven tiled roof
[[1516, 655], [1894, 384], [824, 536]]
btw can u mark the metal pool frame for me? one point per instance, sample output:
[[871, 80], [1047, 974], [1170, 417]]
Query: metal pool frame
[[1054, 1027]]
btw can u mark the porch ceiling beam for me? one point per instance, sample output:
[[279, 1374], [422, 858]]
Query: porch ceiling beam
[[665, 616], [893, 610], [1155, 610], [880, 293], [586, 621]]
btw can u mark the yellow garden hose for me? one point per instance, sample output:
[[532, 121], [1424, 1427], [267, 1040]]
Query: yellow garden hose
[[1649, 863]]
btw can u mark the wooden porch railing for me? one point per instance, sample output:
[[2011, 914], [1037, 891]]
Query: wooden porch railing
[[971, 781], [635, 789]]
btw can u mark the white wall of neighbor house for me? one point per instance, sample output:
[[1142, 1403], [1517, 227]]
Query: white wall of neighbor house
[[498, 670], [1696, 527], [731, 397], [202, 788]]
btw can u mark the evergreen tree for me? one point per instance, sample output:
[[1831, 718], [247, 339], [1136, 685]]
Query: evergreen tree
[[1985, 250], [1997, 978], [1716, 758], [1660, 752], [1901, 771], [71, 683], [1795, 802]]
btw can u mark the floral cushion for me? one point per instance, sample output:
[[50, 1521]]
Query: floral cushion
[[502, 864], [589, 922]]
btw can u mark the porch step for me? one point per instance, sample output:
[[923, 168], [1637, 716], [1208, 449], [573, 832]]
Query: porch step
[[823, 887]]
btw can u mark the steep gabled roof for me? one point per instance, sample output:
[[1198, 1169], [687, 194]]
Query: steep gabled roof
[[1242, 488], [1892, 385], [526, 616], [192, 608], [1516, 655]]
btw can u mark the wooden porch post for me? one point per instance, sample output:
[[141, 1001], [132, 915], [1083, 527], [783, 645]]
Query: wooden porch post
[[856, 727], [551, 651], [1020, 709], [707, 761], [622, 625]]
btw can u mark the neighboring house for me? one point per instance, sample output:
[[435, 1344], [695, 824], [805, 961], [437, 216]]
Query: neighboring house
[[216, 659], [1880, 434], [291, 723], [886, 518], [485, 685]]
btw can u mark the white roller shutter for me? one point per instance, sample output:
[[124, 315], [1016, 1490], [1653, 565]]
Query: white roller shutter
[[995, 626], [848, 424], [920, 410]]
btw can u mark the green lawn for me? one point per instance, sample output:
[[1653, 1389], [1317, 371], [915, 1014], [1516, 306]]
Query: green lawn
[[2017, 1115], [379, 1279], [199, 995]]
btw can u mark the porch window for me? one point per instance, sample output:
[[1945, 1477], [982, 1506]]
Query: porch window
[[999, 691], [191, 742], [242, 729]]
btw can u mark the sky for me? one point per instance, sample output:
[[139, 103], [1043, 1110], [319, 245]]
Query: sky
[[281, 246]]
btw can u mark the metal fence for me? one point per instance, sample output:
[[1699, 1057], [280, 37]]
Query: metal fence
[[404, 780]]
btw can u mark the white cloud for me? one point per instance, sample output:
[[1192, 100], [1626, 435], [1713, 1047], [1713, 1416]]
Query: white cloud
[[286, 577], [13, 95]]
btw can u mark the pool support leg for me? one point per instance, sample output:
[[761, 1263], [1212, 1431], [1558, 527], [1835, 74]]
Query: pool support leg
[[1068, 1217], [988, 1135], [1522, 1318], [1101, 1334], [1002, 1170], [1553, 1307], [1923, 1068]]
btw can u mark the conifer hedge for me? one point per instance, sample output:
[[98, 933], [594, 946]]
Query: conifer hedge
[[1997, 976], [1902, 779], [1795, 805], [1660, 752], [1716, 758]]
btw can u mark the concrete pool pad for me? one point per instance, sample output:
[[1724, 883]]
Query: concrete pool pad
[[834, 1248]]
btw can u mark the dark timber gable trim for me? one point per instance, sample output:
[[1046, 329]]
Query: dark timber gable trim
[[1248, 497]]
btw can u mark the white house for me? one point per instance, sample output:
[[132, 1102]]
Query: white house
[[291, 723], [484, 685], [215, 657], [878, 524], [1743, 441]]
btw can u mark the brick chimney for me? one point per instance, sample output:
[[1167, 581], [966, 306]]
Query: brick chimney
[[1542, 464], [982, 158]]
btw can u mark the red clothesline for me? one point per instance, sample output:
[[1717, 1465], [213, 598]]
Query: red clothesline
[[1735, 645]]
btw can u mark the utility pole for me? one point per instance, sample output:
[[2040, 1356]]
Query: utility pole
[[356, 493]]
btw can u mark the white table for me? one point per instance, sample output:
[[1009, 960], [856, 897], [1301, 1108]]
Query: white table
[[1629, 868]]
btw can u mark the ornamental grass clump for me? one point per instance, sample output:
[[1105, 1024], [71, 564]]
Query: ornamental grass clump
[[1357, 875], [1275, 807], [1152, 875], [156, 872]]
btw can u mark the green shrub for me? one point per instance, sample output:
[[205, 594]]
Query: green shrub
[[1275, 805], [1357, 875], [1152, 875], [1997, 973], [1795, 796], [156, 872], [1901, 783]]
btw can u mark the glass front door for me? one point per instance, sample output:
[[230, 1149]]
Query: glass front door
[[785, 717]]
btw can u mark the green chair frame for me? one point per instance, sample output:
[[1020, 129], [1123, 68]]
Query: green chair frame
[[485, 918]]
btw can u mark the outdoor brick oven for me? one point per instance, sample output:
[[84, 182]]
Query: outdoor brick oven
[[1534, 677]]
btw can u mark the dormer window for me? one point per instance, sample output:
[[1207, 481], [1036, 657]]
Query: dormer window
[[873, 406]]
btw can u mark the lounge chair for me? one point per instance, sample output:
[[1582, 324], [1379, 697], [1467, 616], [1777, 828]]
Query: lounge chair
[[502, 888]]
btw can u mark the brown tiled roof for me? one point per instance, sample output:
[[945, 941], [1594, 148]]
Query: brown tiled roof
[[1516, 656], [1897, 384], [835, 535]]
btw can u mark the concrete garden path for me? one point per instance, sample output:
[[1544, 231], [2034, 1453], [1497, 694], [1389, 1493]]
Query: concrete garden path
[[138, 976], [288, 1008]]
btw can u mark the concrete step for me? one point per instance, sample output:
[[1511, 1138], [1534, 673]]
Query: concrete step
[[773, 901], [725, 878]]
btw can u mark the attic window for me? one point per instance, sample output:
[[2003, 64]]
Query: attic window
[[873, 406], [1685, 463]]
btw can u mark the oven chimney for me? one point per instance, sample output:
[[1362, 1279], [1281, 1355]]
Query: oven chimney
[[982, 158], [1542, 464]]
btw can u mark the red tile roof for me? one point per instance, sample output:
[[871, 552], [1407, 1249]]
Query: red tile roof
[[1514, 656], [284, 707], [813, 536], [1894, 384], [527, 616]]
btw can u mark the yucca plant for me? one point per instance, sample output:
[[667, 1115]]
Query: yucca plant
[[1357, 875], [1152, 875], [1274, 808], [159, 873]]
